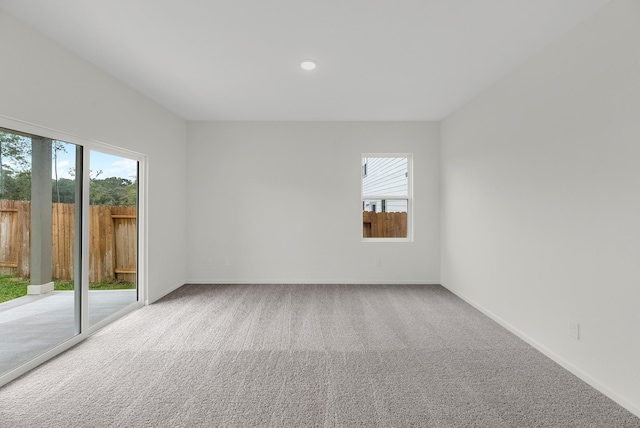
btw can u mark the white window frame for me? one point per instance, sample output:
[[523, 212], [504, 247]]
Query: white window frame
[[408, 197]]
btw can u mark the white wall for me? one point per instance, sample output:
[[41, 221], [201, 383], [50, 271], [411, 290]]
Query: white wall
[[48, 86], [281, 202], [541, 200]]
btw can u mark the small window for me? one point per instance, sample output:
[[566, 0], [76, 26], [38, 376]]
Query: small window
[[386, 196]]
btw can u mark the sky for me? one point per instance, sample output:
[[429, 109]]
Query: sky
[[111, 166]]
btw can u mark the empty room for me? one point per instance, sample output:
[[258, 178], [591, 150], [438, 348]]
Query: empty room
[[319, 213]]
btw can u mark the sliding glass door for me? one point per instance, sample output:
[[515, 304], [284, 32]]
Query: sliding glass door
[[69, 242], [40, 212], [113, 257]]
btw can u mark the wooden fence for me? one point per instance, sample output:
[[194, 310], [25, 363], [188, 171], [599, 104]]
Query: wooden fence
[[15, 226], [384, 225], [112, 240]]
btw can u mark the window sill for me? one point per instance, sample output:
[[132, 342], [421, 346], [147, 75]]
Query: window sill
[[387, 240]]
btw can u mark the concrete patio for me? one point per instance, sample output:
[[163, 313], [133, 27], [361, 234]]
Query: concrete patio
[[33, 324]]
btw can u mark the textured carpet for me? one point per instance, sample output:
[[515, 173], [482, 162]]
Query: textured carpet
[[305, 355]]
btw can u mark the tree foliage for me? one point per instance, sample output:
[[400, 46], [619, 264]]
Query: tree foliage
[[15, 151], [108, 191], [15, 177], [15, 157], [16, 185], [113, 191]]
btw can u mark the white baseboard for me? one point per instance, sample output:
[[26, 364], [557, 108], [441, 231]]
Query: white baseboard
[[552, 355], [308, 281]]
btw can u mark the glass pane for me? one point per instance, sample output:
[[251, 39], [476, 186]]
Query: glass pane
[[38, 302], [113, 200], [385, 176], [384, 218]]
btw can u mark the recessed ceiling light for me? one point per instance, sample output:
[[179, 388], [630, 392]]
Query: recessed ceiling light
[[308, 65]]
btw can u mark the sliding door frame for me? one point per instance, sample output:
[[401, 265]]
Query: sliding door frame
[[86, 146]]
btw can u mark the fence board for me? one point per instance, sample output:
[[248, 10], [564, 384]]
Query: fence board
[[124, 224], [14, 255]]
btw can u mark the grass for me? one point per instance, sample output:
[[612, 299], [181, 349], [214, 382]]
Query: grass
[[12, 287]]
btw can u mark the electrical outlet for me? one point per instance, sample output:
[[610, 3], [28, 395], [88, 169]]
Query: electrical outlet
[[379, 263], [227, 262], [574, 329]]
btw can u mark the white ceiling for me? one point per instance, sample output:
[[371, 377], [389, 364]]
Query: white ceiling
[[239, 59]]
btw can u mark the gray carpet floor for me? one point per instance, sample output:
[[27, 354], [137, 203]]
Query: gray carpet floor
[[305, 355]]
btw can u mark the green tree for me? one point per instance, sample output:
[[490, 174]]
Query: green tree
[[113, 191], [64, 191], [17, 186], [58, 146], [15, 176], [15, 158]]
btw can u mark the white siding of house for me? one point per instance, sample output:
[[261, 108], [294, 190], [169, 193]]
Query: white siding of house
[[385, 176]]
